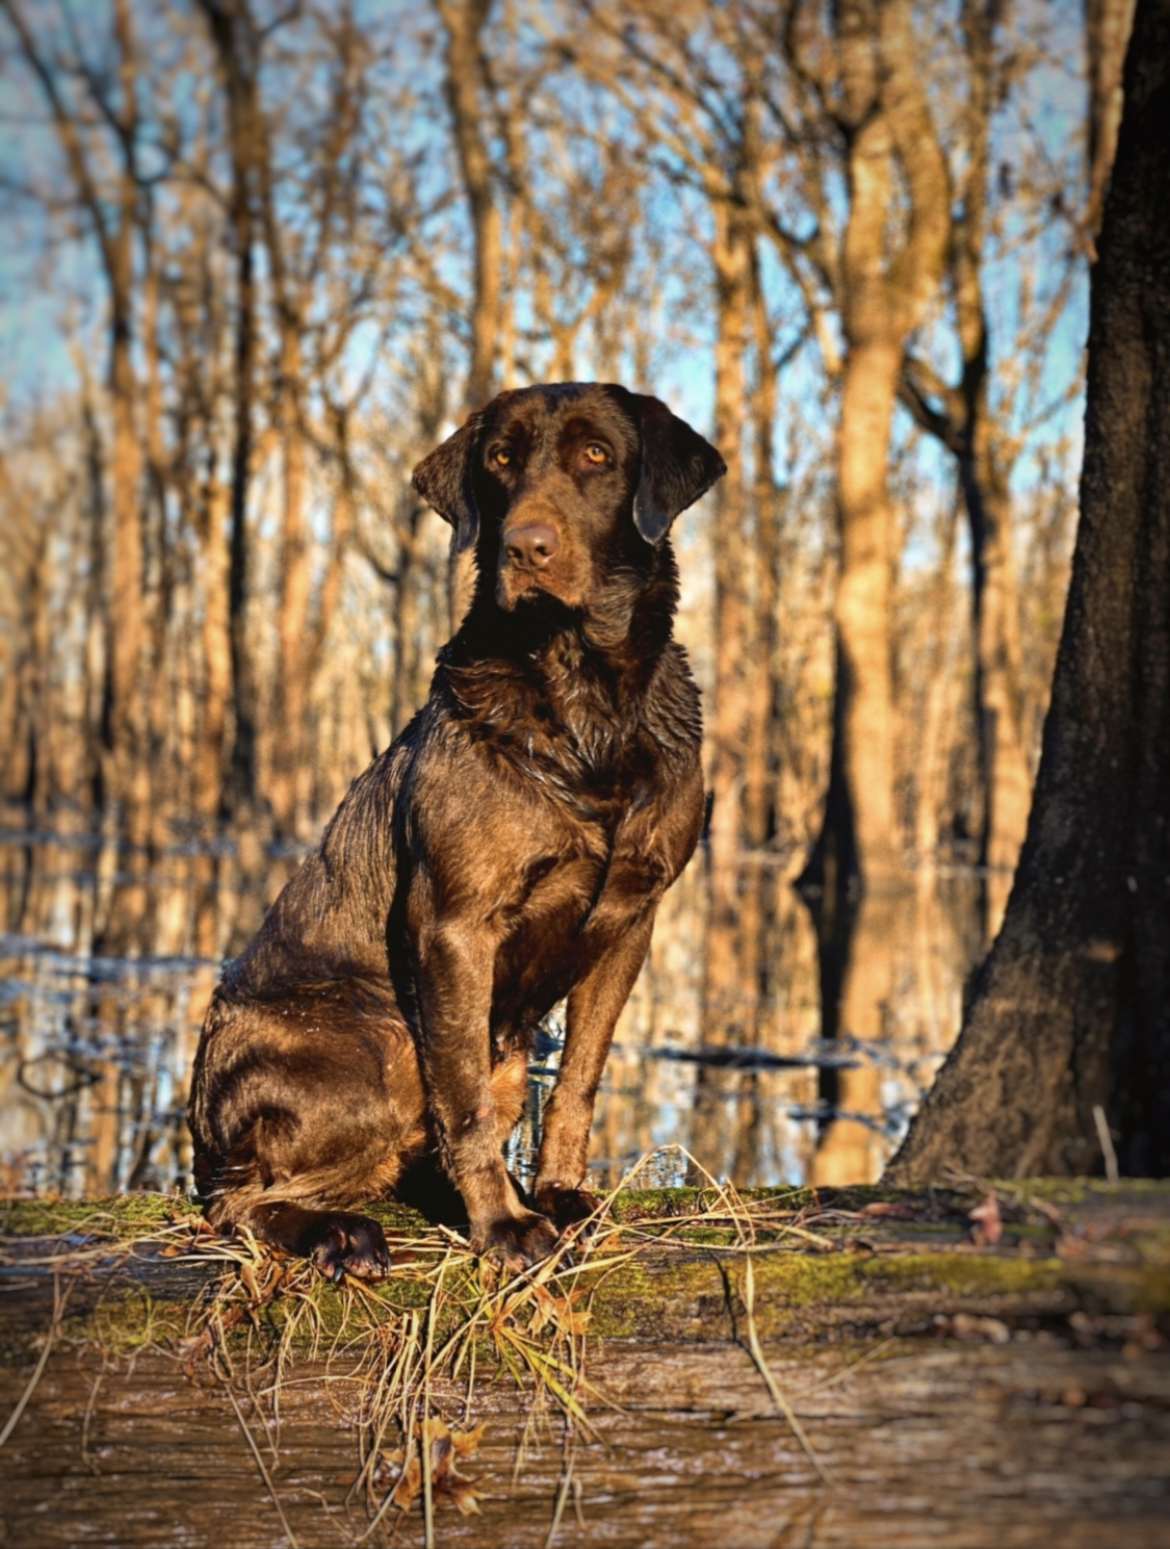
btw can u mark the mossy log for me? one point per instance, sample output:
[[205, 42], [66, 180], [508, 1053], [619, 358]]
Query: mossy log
[[1002, 1377]]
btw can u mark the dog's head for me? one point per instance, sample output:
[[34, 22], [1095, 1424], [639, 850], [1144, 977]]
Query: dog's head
[[559, 486]]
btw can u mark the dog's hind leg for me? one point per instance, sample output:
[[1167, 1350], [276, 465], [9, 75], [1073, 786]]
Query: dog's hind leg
[[338, 1242], [259, 1188], [296, 1125]]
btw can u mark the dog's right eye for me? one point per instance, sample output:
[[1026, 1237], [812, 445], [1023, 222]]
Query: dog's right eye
[[501, 457]]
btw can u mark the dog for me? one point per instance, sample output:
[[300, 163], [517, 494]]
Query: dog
[[509, 850]]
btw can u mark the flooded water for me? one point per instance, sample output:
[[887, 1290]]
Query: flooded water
[[96, 1042]]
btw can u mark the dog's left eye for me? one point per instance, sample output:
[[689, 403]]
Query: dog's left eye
[[596, 454]]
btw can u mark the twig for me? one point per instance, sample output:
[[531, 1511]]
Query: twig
[[264, 1474], [773, 1387], [564, 1486], [60, 1297]]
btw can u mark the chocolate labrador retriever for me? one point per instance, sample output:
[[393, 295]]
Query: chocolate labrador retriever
[[508, 850]]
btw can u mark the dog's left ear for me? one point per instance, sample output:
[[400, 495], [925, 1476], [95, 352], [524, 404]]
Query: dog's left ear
[[678, 466], [443, 479]]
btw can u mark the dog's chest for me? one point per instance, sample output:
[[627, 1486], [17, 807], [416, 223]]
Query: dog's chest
[[566, 918]]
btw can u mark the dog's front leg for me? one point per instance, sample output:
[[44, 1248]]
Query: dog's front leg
[[453, 964], [594, 1007]]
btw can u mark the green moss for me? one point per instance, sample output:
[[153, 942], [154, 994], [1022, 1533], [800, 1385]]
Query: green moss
[[126, 1215], [633, 1205], [692, 1289], [130, 1319], [1071, 1192], [705, 1299], [393, 1217], [962, 1274]]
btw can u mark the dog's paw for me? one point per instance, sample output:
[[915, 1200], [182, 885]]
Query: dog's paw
[[566, 1207], [518, 1242], [351, 1245]]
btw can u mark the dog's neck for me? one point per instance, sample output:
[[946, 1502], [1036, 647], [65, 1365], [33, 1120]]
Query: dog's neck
[[590, 671], [620, 636]]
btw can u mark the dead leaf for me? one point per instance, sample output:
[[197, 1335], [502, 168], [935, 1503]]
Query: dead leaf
[[445, 1447], [889, 1210], [194, 1348], [557, 1312], [988, 1228]]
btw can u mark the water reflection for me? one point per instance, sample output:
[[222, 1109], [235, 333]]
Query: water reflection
[[95, 1046]]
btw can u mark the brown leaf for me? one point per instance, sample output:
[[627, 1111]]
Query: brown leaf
[[409, 1486], [557, 1312], [466, 1443], [889, 1210], [194, 1349], [445, 1447], [196, 1346]]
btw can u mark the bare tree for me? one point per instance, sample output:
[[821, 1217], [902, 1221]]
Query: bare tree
[[114, 218], [236, 44], [887, 282], [1070, 1016]]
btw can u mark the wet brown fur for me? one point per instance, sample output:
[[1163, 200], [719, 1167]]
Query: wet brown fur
[[508, 850]]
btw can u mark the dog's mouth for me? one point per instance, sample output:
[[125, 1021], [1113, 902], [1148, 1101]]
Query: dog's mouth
[[517, 588]]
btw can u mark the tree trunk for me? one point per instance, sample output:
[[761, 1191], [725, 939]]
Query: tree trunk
[[288, 782], [234, 37], [884, 297], [1071, 1011], [725, 993], [464, 22], [729, 984], [133, 1375], [1107, 29], [1007, 786], [852, 877], [761, 763], [995, 601]]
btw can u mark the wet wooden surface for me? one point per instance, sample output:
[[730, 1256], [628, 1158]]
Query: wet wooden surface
[[1001, 1413], [922, 1445]]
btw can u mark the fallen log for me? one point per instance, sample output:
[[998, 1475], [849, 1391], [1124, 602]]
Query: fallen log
[[873, 1365]]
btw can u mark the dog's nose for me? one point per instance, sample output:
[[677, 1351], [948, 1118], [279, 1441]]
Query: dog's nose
[[532, 545]]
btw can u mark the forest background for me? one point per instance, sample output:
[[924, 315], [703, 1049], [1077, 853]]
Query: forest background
[[259, 259]]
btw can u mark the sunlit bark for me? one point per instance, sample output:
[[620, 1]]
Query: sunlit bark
[[464, 21], [884, 295], [726, 993]]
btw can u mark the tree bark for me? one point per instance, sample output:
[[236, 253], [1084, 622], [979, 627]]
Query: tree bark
[[464, 22], [1107, 28], [884, 297], [233, 35], [962, 420], [1071, 1011], [725, 993]]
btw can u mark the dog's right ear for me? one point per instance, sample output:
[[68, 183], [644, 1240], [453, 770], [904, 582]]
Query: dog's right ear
[[443, 479]]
